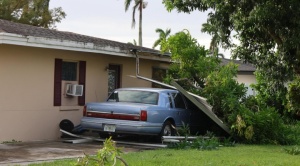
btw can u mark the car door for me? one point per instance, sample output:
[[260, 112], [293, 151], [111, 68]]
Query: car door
[[182, 115]]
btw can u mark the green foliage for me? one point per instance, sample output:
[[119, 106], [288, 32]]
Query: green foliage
[[191, 65], [108, 155], [184, 130], [11, 142], [203, 74], [227, 142], [207, 142], [293, 97], [262, 27], [270, 92], [268, 37], [257, 123], [32, 12], [291, 134], [263, 127], [201, 143], [223, 91], [163, 36], [294, 151], [256, 119], [183, 47]]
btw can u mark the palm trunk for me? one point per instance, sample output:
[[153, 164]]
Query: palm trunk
[[140, 24]]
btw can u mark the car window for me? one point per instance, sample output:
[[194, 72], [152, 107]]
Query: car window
[[134, 96], [178, 100], [191, 105], [170, 101]]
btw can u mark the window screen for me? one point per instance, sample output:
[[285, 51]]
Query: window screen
[[69, 71], [159, 75]]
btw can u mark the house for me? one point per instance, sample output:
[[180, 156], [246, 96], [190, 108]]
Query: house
[[48, 75], [245, 74], [39, 67]]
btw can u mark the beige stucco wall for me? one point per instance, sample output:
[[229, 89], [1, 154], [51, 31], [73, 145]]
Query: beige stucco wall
[[247, 79], [27, 85]]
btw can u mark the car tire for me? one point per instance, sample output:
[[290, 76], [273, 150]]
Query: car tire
[[167, 129], [66, 125]]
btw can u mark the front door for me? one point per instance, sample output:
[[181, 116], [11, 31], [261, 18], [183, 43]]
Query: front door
[[114, 78]]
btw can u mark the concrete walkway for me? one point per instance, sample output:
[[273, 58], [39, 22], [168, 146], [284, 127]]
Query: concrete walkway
[[33, 152]]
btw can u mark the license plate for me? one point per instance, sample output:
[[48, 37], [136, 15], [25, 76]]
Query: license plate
[[109, 128]]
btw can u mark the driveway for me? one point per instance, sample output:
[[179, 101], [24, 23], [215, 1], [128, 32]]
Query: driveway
[[32, 152]]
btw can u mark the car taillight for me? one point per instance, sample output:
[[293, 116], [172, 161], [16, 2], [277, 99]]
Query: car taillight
[[143, 115], [84, 110]]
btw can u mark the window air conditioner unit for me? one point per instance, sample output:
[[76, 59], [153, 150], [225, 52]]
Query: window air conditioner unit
[[74, 90]]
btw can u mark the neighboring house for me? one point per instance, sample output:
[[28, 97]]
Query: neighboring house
[[37, 65], [245, 74]]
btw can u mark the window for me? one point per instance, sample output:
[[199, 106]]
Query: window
[[158, 74], [178, 100], [134, 96], [69, 71]]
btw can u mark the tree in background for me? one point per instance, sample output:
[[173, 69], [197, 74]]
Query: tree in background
[[32, 12], [163, 35], [140, 5], [216, 38], [189, 58], [199, 72], [268, 35], [133, 42]]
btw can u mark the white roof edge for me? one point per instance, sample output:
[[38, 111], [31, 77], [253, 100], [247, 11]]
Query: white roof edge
[[41, 42]]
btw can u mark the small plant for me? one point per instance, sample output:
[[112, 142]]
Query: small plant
[[206, 144], [108, 155], [294, 151], [201, 143], [184, 130], [228, 142]]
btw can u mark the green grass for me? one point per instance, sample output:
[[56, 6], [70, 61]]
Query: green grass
[[241, 155]]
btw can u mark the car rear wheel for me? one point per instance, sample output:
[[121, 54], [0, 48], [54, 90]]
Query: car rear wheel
[[167, 129]]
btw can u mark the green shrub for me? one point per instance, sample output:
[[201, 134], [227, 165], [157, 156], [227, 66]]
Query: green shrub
[[293, 97], [294, 151], [224, 92], [291, 134], [262, 127]]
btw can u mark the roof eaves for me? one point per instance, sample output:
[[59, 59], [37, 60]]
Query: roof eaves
[[242, 67], [14, 39]]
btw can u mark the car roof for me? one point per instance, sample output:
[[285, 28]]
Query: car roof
[[149, 89]]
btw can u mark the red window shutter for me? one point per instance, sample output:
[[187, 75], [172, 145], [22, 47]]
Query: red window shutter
[[81, 81], [57, 82]]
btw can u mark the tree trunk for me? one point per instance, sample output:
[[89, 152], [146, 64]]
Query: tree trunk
[[140, 24]]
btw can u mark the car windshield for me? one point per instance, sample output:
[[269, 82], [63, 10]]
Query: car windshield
[[134, 96]]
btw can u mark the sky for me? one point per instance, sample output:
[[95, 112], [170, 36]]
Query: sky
[[107, 19]]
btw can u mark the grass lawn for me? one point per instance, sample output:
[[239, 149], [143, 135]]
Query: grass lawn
[[240, 155]]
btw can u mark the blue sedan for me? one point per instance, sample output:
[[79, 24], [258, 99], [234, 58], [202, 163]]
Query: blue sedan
[[141, 111]]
